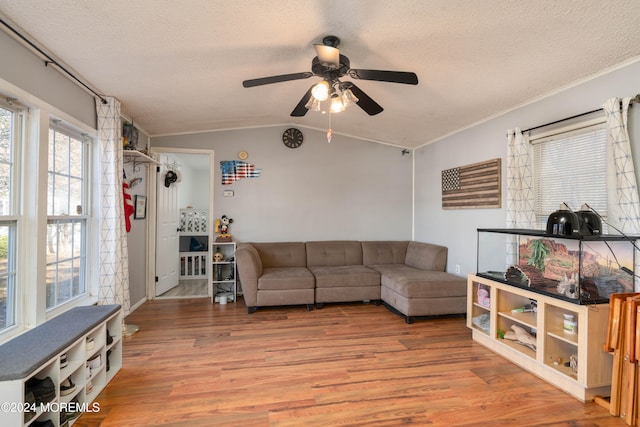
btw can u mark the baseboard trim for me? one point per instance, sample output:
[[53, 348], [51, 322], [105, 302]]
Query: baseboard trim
[[137, 305]]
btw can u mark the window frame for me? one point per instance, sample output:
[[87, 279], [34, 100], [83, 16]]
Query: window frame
[[15, 287], [82, 219]]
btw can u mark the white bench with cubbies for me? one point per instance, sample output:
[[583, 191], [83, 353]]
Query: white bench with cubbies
[[83, 345]]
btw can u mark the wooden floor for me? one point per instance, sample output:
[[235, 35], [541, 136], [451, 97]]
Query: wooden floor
[[189, 288], [197, 364]]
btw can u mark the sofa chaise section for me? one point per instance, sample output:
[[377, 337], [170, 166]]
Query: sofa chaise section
[[339, 273], [413, 278], [274, 274]]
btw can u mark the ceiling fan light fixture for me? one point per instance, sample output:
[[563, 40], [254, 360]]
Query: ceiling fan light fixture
[[321, 91], [337, 106], [331, 65], [314, 105], [348, 98]]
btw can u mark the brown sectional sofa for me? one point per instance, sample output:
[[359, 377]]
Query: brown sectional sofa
[[407, 276]]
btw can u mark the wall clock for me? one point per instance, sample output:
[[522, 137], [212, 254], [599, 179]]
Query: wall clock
[[292, 138]]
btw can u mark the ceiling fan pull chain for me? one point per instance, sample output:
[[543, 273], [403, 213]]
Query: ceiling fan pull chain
[[329, 131]]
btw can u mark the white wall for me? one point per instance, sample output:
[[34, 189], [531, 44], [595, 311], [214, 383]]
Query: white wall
[[457, 228], [349, 189], [138, 236], [26, 71]]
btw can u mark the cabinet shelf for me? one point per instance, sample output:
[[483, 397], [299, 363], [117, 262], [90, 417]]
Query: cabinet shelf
[[481, 307], [526, 319], [571, 339], [564, 370], [554, 346], [519, 348]]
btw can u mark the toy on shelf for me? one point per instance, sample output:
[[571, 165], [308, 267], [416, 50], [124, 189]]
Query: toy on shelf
[[218, 258], [222, 228], [519, 335]]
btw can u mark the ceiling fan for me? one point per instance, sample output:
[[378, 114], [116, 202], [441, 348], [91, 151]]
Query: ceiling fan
[[331, 65]]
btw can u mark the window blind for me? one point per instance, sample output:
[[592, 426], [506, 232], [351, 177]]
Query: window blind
[[570, 167]]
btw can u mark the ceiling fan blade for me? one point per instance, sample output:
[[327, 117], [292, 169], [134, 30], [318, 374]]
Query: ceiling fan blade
[[276, 79], [365, 102], [328, 55], [300, 109], [385, 76]]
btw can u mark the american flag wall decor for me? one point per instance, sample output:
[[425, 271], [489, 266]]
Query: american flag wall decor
[[233, 170], [478, 185]]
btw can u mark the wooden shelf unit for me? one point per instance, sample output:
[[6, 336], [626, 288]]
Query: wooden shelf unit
[[553, 345]]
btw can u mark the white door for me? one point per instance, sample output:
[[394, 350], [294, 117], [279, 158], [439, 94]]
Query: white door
[[167, 243]]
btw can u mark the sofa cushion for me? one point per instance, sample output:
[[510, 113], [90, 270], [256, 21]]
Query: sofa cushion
[[282, 254], [426, 256], [334, 252], [384, 252], [415, 283], [345, 276], [279, 278]]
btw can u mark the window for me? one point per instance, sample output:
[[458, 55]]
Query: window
[[570, 167], [66, 217], [10, 133]]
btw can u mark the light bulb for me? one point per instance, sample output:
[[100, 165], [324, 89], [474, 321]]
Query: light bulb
[[336, 104], [321, 91]]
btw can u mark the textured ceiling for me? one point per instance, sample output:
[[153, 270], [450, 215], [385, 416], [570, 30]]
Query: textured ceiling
[[178, 66]]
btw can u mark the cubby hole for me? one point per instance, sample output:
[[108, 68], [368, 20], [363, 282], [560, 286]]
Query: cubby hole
[[504, 326], [555, 323], [95, 341], [508, 302], [558, 355], [49, 370]]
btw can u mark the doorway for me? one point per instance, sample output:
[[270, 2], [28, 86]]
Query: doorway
[[183, 223]]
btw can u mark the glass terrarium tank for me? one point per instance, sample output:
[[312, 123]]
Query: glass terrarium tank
[[580, 269]]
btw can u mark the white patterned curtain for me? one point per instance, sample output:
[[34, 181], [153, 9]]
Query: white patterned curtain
[[113, 250], [623, 206], [520, 196]]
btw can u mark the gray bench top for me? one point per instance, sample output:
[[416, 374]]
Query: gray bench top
[[21, 356]]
